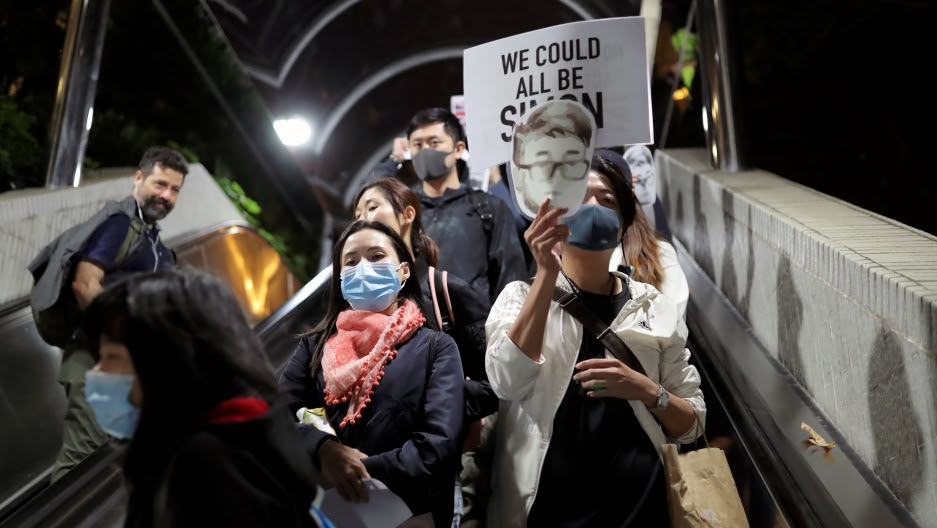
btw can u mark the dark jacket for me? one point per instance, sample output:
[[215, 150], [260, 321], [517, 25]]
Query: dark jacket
[[470, 311], [502, 190], [487, 261], [65, 247], [411, 429], [251, 473]]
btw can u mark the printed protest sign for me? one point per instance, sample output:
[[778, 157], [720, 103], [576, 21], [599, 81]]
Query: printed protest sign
[[601, 64]]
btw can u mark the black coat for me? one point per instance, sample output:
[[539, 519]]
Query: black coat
[[411, 429], [470, 311], [251, 473], [488, 262]]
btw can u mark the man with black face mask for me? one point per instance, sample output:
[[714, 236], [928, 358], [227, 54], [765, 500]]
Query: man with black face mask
[[124, 239], [474, 230]]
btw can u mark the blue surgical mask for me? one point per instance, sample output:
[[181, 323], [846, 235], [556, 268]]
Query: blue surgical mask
[[594, 228], [109, 397], [371, 286]]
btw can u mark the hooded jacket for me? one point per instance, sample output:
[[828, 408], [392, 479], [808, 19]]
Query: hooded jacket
[[487, 261]]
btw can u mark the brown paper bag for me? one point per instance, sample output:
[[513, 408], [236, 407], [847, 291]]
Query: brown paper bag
[[701, 492]]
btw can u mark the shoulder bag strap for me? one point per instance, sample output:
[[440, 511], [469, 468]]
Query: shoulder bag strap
[[483, 209], [133, 233], [432, 291], [439, 281], [571, 302], [448, 320]]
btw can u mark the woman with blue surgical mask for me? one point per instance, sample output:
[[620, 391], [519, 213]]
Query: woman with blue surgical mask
[[580, 431], [389, 387], [183, 380]]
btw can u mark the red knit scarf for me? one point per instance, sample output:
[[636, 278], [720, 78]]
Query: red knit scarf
[[353, 359]]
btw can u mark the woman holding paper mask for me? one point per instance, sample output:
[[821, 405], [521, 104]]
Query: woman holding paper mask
[[391, 388], [580, 431]]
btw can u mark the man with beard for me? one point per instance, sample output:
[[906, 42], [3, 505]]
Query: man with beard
[[125, 242]]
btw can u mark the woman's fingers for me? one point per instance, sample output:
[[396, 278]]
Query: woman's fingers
[[544, 220], [548, 239], [362, 491], [353, 489], [346, 490], [598, 363], [550, 236]]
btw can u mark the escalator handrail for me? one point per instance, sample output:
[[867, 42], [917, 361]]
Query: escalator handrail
[[268, 324]]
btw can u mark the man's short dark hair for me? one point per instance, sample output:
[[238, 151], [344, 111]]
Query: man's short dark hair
[[429, 116], [166, 158]]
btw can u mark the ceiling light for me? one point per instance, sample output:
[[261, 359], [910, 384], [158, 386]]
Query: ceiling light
[[294, 131]]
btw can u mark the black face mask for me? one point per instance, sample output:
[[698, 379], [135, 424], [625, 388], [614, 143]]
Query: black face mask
[[430, 164]]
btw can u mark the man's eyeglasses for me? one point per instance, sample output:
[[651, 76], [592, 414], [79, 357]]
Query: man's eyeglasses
[[545, 170]]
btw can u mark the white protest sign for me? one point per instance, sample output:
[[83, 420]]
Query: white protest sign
[[599, 63]]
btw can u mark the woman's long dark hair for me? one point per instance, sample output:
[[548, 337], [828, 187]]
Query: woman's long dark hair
[[621, 187], [337, 304], [191, 348], [400, 196], [639, 241]]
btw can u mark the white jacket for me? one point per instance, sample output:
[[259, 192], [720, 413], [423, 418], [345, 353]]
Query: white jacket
[[674, 286], [531, 392]]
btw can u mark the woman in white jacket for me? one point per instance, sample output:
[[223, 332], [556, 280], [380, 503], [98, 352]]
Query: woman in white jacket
[[579, 432], [653, 258]]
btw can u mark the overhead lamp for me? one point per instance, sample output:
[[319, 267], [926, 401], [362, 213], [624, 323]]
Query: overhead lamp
[[294, 131]]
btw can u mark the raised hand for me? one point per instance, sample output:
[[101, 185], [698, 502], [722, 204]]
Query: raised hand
[[544, 238]]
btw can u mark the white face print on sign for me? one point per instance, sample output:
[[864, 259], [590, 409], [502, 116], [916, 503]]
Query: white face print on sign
[[553, 149], [641, 162]]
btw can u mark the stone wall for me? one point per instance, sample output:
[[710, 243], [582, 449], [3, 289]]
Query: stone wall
[[844, 298]]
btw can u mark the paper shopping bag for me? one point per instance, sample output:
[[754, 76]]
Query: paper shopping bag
[[701, 492]]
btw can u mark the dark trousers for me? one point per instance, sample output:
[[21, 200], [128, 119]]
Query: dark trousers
[[82, 435]]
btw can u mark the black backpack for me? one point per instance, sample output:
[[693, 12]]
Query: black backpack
[[57, 319]]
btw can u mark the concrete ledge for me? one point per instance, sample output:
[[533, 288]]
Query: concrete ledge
[[844, 298], [31, 218]]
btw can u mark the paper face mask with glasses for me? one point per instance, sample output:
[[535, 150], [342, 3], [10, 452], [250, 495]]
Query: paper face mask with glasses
[[553, 148]]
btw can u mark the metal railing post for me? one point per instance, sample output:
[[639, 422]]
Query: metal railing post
[[716, 62], [74, 98]]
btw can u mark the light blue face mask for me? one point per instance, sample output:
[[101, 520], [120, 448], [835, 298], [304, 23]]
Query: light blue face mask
[[593, 228], [371, 286], [109, 397]]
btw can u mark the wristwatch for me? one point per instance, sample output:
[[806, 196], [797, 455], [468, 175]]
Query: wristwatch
[[663, 399]]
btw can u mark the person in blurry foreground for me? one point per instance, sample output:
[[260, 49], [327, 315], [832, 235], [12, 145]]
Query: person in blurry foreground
[[183, 378]]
